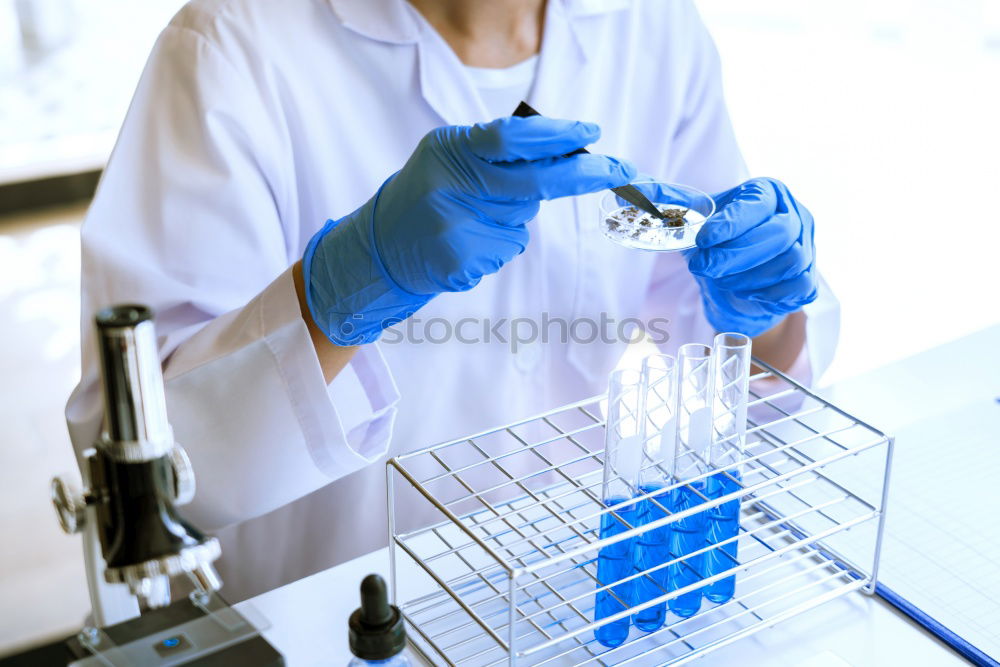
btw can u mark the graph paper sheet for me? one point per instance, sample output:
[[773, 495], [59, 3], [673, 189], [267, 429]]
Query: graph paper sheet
[[942, 543]]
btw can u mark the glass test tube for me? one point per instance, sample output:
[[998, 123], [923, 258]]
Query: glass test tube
[[622, 457], [731, 384], [659, 380], [694, 437]]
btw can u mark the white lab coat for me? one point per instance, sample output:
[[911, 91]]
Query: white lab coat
[[256, 121]]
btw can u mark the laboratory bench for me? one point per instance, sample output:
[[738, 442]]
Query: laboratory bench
[[308, 625], [308, 618]]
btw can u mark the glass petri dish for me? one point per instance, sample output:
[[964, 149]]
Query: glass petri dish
[[687, 209]]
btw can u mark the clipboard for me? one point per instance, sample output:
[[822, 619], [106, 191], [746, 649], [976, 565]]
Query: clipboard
[[940, 561]]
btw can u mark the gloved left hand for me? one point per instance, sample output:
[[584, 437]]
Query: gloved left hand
[[457, 211], [754, 258]]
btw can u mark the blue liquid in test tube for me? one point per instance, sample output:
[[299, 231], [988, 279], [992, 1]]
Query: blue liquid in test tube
[[652, 548], [688, 535], [614, 563], [731, 381], [622, 457], [723, 523], [694, 436]]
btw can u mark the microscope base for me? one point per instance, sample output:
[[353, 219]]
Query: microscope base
[[184, 633]]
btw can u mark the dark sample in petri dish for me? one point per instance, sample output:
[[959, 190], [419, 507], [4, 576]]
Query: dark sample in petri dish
[[682, 216], [675, 217]]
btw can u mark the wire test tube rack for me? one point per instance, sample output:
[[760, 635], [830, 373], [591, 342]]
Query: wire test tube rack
[[509, 553]]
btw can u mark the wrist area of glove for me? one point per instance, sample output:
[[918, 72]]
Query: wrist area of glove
[[726, 312], [351, 296]]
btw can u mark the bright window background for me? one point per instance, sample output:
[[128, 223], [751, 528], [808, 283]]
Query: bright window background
[[67, 72], [884, 118]]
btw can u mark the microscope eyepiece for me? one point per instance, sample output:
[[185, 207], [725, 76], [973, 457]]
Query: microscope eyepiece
[[135, 425], [123, 315]]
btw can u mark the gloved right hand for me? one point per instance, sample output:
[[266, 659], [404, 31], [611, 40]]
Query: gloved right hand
[[454, 213], [755, 260]]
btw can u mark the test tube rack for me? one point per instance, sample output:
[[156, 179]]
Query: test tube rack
[[510, 552]]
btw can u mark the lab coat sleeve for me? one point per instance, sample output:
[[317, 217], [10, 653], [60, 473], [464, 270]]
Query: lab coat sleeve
[[191, 219], [704, 153]]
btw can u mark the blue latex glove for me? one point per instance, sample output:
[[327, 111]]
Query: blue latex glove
[[454, 213], [754, 260]]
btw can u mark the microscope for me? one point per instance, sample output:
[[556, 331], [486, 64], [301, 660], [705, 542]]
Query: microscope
[[137, 477], [138, 474]]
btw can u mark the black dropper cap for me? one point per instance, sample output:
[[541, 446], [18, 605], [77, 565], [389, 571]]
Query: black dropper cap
[[376, 630]]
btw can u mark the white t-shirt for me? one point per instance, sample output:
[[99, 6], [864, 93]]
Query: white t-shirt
[[502, 89]]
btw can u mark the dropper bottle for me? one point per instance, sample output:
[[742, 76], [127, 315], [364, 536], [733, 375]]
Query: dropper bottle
[[376, 632]]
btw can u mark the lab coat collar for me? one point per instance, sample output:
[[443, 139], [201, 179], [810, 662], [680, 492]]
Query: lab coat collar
[[383, 20], [444, 82], [391, 21], [591, 7]]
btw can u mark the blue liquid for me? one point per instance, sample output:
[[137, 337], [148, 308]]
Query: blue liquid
[[723, 523], [614, 562], [686, 536], [651, 549]]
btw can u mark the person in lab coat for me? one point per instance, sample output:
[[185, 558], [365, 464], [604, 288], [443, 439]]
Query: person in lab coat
[[256, 122]]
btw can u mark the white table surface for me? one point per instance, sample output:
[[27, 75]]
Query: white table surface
[[309, 617]]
